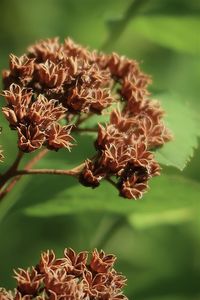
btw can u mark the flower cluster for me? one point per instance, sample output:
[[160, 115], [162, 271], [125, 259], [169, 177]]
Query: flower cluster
[[71, 277], [53, 88]]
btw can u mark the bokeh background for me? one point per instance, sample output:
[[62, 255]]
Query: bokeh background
[[158, 246]]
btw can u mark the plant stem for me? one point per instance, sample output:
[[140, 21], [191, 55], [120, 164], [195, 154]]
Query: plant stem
[[8, 174], [13, 169], [72, 172]]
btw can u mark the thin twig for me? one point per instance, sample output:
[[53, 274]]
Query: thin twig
[[73, 172], [8, 174], [13, 182]]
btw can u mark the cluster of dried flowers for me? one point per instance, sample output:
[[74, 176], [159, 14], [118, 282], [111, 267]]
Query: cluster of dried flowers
[[55, 87], [71, 277]]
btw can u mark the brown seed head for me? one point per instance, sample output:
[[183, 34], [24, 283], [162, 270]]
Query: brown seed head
[[74, 277], [52, 88]]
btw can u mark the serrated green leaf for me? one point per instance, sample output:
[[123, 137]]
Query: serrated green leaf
[[182, 121], [166, 193]]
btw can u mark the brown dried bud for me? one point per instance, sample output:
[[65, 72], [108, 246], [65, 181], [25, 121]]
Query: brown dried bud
[[21, 66], [43, 112], [76, 262], [115, 157], [51, 75], [100, 262], [90, 176], [17, 95], [100, 99], [30, 138], [46, 49], [28, 281], [132, 188], [59, 137], [156, 133]]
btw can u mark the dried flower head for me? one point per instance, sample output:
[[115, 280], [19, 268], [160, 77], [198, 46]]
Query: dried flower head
[[72, 277], [55, 86]]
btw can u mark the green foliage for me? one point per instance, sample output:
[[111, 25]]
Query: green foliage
[[156, 239], [164, 195], [179, 34], [183, 123]]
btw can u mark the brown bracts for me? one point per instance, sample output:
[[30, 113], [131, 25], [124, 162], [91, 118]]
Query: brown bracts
[[55, 87]]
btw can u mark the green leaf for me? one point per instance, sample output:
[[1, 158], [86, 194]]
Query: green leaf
[[183, 123], [167, 25], [177, 33], [172, 217], [166, 193]]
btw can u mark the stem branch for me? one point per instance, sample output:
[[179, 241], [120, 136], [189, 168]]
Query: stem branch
[[73, 172], [4, 190]]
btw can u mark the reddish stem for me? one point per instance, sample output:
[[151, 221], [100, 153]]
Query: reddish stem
[[73, 172], [13, 169], [8, 174]]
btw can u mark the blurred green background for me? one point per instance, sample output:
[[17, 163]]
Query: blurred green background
[[157, 240]]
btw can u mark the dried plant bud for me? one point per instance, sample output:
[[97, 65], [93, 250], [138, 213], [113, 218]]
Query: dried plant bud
[[91, 176], [46, 49], [28, 281], [59, 137], [43, 112], [30, 138], [156, 133], [115, 157], [51, 75], [73, 277], [53, 88], [100, 99], [132, 188], [100, 262], [17, 95], [79, 99], [21, 66], [75, 262]]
